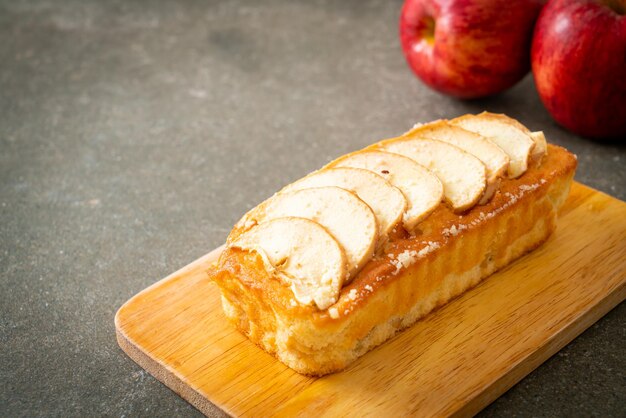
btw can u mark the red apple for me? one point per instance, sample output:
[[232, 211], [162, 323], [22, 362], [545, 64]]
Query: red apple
[[579, 64], [468, 48]]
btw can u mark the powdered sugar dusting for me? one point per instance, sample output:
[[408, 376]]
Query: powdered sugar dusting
[[528, 188], [408, 258], [429, 248], [511, 198], [482, 216], [454, 230]]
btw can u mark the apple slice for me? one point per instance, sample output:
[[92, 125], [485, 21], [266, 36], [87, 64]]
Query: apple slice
[[496, 161], [386, 201], [302, 253], [541, 145], [423, 190], [463, 176], [348, 219], [517, 144]]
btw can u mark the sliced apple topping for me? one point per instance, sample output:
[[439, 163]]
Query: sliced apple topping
[[492, 156], [302, 253], [386, 201], [463, 176], [516, 143], [348, 219], [423, 190], [541, 146]]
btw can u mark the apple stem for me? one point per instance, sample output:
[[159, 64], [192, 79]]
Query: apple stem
[[618, 6], [428, 32]]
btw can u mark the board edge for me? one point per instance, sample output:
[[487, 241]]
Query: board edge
[[535, 359], [158, 370]]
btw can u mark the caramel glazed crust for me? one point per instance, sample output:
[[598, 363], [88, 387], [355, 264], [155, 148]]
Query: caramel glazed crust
[[413, 274]]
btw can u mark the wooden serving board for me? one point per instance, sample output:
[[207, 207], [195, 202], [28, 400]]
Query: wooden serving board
[[453, 362]]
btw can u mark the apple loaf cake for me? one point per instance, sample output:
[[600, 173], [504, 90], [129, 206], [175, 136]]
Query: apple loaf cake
[[341, 260]]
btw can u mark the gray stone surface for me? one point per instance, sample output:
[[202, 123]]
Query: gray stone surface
[[134, 134]]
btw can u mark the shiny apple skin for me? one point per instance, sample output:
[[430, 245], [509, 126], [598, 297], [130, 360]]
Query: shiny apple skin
[[480, 48], [579, 63]]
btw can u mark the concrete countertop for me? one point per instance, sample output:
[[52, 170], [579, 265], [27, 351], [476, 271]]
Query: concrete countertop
[[134, 134]]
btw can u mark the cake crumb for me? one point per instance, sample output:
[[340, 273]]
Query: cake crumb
[[333, 312]]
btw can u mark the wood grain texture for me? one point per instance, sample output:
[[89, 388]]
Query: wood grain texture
[[453, 362]]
